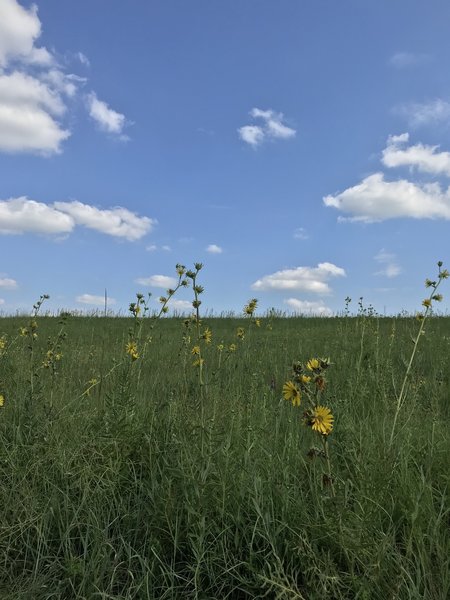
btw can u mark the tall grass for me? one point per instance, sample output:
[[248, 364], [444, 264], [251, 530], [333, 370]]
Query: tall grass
[[124, 478]]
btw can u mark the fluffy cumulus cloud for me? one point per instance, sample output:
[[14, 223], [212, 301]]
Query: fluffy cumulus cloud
[[107, 119], [432, 112], [35, 89], [389, 265], [22, 215], [93, 300], [271, 127], [7, 283], [306, 307], [157, 281], [375, 199], [424, 158], [305, 279], [214, 249], [118, 222]]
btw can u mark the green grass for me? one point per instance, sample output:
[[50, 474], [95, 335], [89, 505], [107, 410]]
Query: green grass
[[151, 486]]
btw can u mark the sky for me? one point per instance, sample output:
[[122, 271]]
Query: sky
[[299, 149]]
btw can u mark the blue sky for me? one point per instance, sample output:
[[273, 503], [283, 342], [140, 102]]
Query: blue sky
[[300, 150]]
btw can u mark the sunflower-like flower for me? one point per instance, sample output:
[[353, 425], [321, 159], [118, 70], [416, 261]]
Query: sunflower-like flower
[[291, 393], [131, 349], [322, 420], [207, 335], [313, 364]]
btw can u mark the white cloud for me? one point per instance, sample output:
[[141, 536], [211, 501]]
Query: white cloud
[[426, 113], [83, 59], [166, 248], [21, 215], [402, 60], [180, 305], [252, 134], [28, 115], [8, 284], [158, 281], [2, 301], [306, 279], [375, 199], [424, 158], [214, 249], [33, 101], [94, 300], [19, 29], [390, 267], [301, 234], [305, 307], [106, 118], [151, 248], [119, 222], [272, 128]]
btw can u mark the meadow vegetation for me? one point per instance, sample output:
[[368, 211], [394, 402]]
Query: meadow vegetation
[[253, 456]]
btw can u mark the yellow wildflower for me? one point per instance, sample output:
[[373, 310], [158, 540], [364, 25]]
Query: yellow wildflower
[[322, 420], [196, 350], [207, 335], [312, 364], [232, 347], [198, 362], [292, 393], [131, 349], [240, 333], [2, 400], [426, 303]]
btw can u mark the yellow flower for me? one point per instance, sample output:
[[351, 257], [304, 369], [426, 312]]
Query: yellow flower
[[2, 343], [207, 335], [257, 323], [426, 303], [305, 379], [23, 331], [198, 362], [322, 420], [195, 350], [292, 393], [131, 349], [240, 333], [2, 400], [232, 348], [312, 364]]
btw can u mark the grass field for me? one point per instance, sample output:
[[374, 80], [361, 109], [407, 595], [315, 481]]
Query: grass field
[[122, 475]]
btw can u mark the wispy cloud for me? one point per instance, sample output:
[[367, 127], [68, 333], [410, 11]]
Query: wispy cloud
[[94, 300], [157, 281], [433, 112], [7, 283], [214, 249], [305, 307], [306, 279], [388, 261], [22, 215], [402, 60], [301, 234], [272, 127], [107, 119]]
